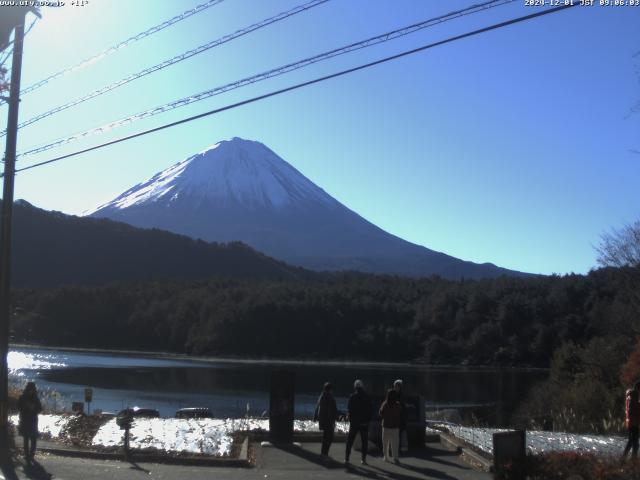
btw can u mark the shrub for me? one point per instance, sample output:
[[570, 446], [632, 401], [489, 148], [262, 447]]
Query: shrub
[[574, 465]]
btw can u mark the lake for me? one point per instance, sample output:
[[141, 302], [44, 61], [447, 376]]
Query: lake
[[231, 387]]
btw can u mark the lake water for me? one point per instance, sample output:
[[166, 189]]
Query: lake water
[[229, 387]]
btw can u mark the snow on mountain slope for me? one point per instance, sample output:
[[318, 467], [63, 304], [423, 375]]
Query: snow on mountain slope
[[241, 190], [237, 171]]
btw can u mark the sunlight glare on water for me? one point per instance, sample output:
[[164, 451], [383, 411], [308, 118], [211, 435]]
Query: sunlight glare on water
[[21, 361]]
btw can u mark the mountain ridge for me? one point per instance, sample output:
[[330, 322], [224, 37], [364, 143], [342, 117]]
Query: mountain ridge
[[52, 249]]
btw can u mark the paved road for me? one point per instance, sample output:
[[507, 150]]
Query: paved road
[[296, 463]]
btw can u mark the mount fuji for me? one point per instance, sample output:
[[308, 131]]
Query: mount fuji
[[241, 190]]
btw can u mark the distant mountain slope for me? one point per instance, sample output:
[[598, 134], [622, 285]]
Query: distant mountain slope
[[241, 190], [52, 249]]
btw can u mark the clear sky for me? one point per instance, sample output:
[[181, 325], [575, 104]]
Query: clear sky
[[515, 147]]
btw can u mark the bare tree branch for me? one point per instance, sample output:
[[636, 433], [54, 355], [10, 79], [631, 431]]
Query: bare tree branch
[[620, 248]]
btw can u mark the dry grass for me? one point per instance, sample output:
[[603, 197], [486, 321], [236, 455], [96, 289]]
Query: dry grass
[[584, 466], [14, 394], [81, 429]]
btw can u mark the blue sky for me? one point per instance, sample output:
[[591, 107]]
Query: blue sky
[[515, 147]]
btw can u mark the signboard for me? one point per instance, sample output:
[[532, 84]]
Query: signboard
[[88, 394]]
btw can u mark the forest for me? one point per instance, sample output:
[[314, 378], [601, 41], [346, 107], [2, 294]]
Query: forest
[[505, 321]]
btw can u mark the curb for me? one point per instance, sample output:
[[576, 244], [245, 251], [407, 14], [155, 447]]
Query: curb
[[242, 461], [469, 455], [308, 437]]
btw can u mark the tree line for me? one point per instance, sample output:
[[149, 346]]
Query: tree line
[[504, 321]]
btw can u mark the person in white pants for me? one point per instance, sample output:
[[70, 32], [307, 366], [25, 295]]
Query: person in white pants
[[391, 414]]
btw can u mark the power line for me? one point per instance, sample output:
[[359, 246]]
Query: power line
[[125, 43], [303, 84], [172, 61], [385, 37], [31, 26]]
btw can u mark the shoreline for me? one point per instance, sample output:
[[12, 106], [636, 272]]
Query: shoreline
[[275, 362]]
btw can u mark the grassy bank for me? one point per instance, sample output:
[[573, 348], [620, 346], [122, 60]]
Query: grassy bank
[[576, 465]]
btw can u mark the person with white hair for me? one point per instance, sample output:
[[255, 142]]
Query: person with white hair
[[390, 414], [403, 439], [359, 414]]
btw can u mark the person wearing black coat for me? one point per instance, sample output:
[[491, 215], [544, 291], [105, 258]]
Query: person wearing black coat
[[29, 407], [359, 415], [326, 415]]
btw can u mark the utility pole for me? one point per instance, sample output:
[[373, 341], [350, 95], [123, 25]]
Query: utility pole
[[5, 238]]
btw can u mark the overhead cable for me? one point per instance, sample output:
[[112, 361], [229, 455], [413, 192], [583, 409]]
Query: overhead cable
[[301, 85], [385, 37], [125, 43], [174, 60]]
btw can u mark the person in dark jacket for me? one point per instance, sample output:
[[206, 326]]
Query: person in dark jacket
[[29, 407], [359, 416], [391, 413], [326, 415], [632, 419]]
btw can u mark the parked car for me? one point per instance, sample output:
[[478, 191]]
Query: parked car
[[126, 416], [145, 412], [194, 412]]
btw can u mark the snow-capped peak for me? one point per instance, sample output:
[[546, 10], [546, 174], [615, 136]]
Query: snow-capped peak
[[231, 171]]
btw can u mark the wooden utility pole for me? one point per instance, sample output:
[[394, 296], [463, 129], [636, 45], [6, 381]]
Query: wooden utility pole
[[5, 238]]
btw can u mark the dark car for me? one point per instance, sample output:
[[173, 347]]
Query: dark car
[[194, 412], [126, 416], [145, 412]]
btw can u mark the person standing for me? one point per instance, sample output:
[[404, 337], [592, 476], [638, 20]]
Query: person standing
[[326, 414], [404, 441], [29, 407], [391, 416], [632, 419], [359, 416]]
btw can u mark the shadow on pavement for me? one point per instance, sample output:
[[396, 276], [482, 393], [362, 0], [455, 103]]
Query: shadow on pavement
[[36, 471], [32, 470], [428, 472], [368, 471], [433, 455], [326, 462], [378, 473], [8, 472], [135, 466]]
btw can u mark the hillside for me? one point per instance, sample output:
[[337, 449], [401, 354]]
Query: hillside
[[52, 249]]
